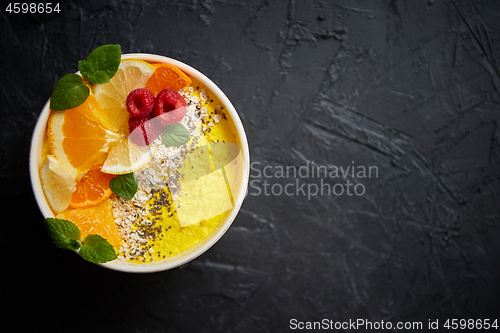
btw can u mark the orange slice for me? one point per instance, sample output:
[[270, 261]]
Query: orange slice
[[92, 189], [92, 109], [95, 220], [77, 140], [167, 76]]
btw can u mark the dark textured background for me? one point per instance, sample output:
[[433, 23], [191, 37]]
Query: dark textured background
[[409, 86]]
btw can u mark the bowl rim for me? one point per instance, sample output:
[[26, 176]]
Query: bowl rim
[[182, 258]]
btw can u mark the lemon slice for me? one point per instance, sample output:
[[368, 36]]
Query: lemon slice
[[58, 185], [112, 96], [126, 157]]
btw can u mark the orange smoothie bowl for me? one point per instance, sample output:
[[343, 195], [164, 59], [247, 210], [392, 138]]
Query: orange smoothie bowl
[[184, 233]]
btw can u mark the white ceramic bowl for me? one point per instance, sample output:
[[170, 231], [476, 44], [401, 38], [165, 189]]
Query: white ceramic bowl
[[182, 258]]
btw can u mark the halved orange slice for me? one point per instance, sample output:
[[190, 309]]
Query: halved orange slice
[[95, 220], [167, 76], [92, 189]]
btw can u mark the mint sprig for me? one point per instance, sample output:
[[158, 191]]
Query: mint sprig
[[63, 233], [124, 186], [101, 65], [96, 249], [175, 135], [70, 91], [66, 235]]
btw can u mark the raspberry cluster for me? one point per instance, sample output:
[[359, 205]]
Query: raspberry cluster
[[149, 114]]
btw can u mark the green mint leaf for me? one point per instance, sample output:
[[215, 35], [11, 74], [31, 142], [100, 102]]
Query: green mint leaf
[[70, 91], [97, 249], [99, 77], [105, 60], [124, 186], [175, 135], [63, 233], [85, 68]]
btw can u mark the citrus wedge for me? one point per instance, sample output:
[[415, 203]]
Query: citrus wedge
[[95, 220], [167, 76], [57, 184], [112, 96], [92, 189], [93, 111], [78, 142], [126, 157]]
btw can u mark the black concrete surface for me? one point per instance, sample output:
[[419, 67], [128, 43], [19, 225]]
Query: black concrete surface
[[410, 88]]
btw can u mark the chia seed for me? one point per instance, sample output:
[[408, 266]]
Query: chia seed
[[139, 219]]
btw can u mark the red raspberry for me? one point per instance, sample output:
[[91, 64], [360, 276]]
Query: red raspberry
[[170, 107], [143, 131], [140, 102]]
